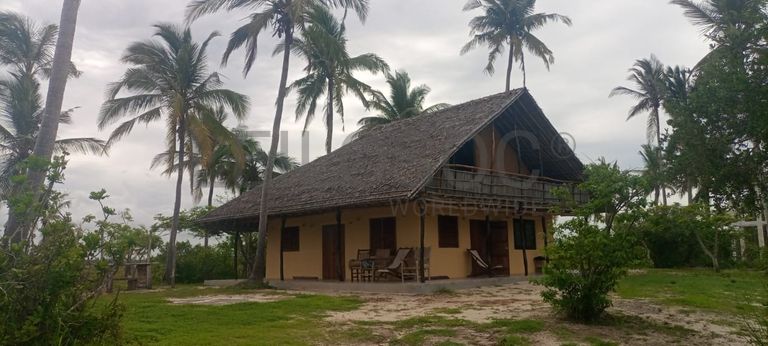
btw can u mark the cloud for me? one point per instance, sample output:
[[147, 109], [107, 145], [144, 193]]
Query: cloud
[[423, 37]]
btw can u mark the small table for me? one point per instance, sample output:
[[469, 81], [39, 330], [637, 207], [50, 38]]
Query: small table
[[367, 270]]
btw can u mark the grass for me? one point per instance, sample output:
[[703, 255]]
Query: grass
[[731, 291], [149, 319]]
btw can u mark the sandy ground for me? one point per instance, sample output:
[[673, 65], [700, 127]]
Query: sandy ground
[[522, 301]]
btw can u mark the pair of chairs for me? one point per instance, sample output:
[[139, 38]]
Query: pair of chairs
[[485, 268], [363, 268]]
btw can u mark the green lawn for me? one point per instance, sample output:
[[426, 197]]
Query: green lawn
[[150, 319], [731, 291]]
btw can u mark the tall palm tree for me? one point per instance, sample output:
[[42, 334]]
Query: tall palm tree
[[253, 174], [169, 78], [654, 169], [329, 70], [678, 85], [510, 24], [283, 17], [26, 51], [648, 77], [404, 102]]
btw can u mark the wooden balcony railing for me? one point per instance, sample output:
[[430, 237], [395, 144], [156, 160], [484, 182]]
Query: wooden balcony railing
[[464, 184]]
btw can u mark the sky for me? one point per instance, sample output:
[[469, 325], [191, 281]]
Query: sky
[[422, 37]]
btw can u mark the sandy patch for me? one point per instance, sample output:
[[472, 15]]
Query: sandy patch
[[523, 301], [229, 299]]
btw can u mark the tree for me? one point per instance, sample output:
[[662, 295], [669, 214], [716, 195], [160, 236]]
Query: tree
[[654, 171], [21, 113], [61, 69], [169, 78], [510, 24], [404, 102], [283, 16], [253, 173], [329, 70]]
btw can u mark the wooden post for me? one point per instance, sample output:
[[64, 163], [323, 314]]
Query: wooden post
[[488, 242], [339, 247], [525, 244], [237, 242], [282, 248], [546, 237], [422, 212]]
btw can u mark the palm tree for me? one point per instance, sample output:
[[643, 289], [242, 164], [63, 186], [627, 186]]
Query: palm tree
[[61, 70], [648, 77], [169, 78], [404, 102], [253, 172], [329, 70], [510, 23], [654, 169], [678, 85], [283, 17], [727, 23], [21, 112]]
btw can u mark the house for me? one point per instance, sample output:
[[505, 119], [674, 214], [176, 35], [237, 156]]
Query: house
[[480, 175]]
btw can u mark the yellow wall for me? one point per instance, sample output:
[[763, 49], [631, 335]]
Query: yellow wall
[[451, 262]]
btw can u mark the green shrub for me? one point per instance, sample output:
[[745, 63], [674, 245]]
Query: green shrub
[[48, 290], [195, 263], [586, 263]]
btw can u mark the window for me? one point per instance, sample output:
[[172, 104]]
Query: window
[[448, 231], [289, 239], [466, 155], [382, 233], [528, 228]]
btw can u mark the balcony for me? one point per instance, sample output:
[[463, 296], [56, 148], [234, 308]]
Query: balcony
[[473, 186]]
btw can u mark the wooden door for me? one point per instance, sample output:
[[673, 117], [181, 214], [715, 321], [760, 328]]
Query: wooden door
[[333, 260], [498, 244]]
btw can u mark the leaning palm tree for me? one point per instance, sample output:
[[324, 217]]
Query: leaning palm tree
[[282, 17], [404, 102], [329, 71], [169, 78], [21, 112], [510, 24]]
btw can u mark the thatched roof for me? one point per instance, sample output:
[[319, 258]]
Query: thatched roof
[[396, 161]]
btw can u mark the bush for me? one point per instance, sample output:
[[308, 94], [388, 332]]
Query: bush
[[47, 291], [195, 263], [586, 263]]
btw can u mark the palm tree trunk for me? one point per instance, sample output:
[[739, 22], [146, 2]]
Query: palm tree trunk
[[170, 262], [260, 268], [509, 67], [210, 204], [662, 162], [329, 118], [46, 137], [522, 65]]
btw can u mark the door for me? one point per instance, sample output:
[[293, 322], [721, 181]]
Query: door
[[498, 243], [333, 253]]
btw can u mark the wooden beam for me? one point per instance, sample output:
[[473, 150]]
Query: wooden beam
[[422, 213], [488, 242], [525, 244], [237, 242], [339, 246], [282, 248], [546, 236]]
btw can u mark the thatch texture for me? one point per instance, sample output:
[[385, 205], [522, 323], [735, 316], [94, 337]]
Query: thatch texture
[[393, 162]]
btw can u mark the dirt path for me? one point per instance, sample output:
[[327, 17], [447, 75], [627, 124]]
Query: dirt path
[[638, 322]]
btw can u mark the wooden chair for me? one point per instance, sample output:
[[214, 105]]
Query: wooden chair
[[487, 269], [395, 268], [355, 265]]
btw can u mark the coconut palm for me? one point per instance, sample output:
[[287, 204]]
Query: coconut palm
[[169, 79], [648, 77], [654, 170], [21, 111], [404, 102], [26, 47], [329, 71], [282, 17], [510, 24], [252, 174], [727, 23]]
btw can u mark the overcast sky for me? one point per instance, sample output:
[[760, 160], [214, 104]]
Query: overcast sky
[[422, 37]]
